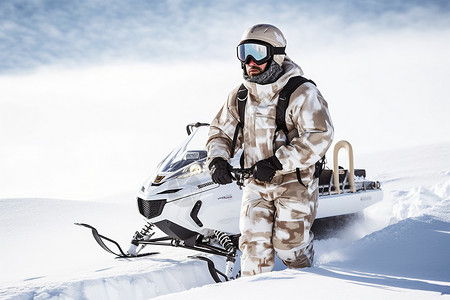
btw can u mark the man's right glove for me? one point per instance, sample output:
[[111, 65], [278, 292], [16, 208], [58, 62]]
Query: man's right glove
[[220, 171], [264, 170]]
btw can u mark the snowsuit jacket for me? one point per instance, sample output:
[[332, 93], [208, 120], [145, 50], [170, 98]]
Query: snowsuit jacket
[[310, 130]]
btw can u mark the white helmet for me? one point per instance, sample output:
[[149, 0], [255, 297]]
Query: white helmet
[[269, 34]]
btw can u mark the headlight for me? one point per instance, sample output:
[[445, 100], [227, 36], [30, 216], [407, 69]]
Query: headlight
[[192, 169]]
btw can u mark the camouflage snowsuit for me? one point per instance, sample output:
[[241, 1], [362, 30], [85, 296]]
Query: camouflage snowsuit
[[276, 216]]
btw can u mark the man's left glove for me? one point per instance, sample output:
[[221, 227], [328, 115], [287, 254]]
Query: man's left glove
[[264, 170], [220, 171]]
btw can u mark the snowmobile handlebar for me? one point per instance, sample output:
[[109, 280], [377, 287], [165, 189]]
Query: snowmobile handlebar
[[248, 172], [240, 174], [190, 127]]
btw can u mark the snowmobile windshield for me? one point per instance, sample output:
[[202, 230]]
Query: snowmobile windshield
[[193, 149]]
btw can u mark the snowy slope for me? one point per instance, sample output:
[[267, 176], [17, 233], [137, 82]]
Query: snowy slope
[[399, 251]]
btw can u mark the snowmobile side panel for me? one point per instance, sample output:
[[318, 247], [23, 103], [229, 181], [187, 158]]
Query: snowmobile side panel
[[177, 232], [347, 203], [194, 213]]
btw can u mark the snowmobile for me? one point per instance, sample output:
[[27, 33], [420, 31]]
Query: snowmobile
[[193, 212]]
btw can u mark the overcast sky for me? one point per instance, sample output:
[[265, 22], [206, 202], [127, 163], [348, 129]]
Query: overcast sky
[[93, 94]]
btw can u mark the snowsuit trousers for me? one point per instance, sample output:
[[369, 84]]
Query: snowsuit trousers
[[279, 221]]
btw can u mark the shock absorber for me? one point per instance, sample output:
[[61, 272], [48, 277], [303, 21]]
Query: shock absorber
[[226, 242], [142, 235], [146, 229]]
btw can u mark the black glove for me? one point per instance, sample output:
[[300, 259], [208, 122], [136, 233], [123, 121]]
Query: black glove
[[264, 170], [220, 171]]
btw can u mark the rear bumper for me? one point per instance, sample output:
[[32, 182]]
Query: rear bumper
[[347, 203]]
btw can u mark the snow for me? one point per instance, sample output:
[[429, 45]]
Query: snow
[[399, 250]]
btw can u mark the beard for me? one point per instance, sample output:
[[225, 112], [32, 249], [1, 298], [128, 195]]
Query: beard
[[260, 70]]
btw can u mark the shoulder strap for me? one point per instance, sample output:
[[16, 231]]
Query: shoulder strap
[[242, 96], [241, 100], [283, 100]]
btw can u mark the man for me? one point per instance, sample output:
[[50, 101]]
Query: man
[[280, 200]]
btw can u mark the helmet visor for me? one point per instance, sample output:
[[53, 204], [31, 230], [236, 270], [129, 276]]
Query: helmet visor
[[258, 52]]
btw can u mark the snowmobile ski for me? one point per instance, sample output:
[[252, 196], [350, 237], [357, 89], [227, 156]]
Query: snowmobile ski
[[211, 268], [99, 239]]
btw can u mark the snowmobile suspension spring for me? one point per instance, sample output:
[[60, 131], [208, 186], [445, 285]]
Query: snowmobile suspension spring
[[225, 241], [146, 229], [140, 235]]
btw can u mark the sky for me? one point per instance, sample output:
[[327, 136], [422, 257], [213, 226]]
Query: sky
[[93, 94]]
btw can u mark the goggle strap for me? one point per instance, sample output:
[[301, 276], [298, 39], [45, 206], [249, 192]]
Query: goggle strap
[[279, 50]]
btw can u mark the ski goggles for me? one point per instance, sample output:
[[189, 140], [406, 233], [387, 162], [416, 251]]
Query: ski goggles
[[260, 52]]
